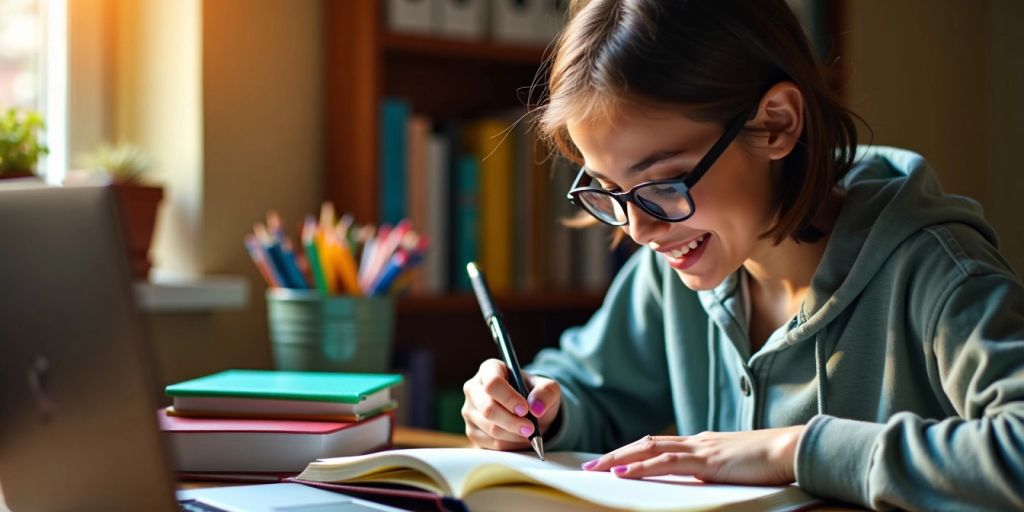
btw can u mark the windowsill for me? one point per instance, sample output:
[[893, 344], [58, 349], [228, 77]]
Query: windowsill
[[198, 294]]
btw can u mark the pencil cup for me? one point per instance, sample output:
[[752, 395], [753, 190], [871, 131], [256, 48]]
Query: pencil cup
[[310, 331]]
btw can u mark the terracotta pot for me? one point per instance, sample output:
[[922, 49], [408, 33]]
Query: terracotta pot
[[137, 205], [11, 175]]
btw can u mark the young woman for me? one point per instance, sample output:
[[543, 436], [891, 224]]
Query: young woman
[[800, 309]]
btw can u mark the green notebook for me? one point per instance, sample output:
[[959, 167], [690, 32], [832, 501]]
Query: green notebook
[[346, 388]]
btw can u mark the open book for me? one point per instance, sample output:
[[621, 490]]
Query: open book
[[492, 480]]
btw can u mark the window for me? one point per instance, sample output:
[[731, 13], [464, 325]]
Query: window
[[33, 70]]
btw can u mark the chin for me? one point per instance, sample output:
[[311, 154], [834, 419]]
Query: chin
[[699, 283]]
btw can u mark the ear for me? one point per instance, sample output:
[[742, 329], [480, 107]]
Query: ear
[[781, 115]]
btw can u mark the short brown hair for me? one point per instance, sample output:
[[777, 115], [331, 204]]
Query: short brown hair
[[715, 58]]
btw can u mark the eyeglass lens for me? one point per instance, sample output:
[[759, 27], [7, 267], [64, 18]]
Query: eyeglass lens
[[664, 200]]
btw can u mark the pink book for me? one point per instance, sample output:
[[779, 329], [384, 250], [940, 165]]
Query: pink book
[[258, 445]]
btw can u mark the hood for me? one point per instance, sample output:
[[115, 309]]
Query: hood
[[891, 194]]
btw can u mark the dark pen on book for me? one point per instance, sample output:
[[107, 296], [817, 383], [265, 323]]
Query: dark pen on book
[[493, 319]]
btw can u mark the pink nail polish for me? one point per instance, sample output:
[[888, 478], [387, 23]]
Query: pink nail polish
[[520, 410], [525, 430], [537, 408], [619, 470], [588, 465]]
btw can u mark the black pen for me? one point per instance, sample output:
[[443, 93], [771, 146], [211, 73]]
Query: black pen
[[493, 319]]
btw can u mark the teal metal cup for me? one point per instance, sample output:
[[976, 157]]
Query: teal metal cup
[[313, 332]]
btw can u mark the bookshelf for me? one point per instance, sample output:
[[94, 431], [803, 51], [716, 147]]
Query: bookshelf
[[441, 78], [445, 78]]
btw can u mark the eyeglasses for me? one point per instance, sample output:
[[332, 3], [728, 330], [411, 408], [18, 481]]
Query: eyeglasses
[[667, 200]]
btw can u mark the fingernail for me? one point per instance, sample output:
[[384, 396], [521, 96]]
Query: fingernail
[[618, 470], [520, 410], [537, 408], [525, 430], [588, 465]]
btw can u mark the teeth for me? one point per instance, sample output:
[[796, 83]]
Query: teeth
[[679, 253]]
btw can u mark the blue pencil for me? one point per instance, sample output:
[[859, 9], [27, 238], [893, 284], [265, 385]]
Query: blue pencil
[[289, 272], [395, 266]]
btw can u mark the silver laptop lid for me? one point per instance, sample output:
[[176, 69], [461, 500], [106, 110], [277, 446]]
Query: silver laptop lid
[[78, 427]]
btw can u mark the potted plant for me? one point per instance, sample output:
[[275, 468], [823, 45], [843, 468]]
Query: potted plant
[[124, 167], [20, 147]]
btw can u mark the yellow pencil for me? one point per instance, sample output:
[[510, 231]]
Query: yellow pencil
[[345, 261], [326, 263]]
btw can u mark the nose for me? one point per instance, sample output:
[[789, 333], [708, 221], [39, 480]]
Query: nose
[[642, 227]]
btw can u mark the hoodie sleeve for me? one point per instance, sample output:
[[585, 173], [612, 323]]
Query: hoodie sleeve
[[612, 370], [972, 461]]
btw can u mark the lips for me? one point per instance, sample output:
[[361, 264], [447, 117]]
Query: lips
[[685, 255], [684, 250]]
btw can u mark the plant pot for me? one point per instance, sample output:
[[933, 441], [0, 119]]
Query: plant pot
[[13, 175], [137, 206]]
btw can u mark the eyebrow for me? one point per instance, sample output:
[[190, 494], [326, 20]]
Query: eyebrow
[[642, 165]]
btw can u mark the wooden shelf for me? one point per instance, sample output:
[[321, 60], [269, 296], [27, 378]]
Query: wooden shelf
[[451, 327], [435, 47], [201, 294], [509, 303]]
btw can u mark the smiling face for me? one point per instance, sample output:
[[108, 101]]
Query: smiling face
[[733, 201]]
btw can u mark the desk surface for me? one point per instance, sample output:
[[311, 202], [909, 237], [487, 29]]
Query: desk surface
[[406, 437]]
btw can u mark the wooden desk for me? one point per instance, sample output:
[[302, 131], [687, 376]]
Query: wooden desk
[[406, 437]]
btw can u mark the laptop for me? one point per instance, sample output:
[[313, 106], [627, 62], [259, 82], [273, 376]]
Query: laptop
[[78, 393]]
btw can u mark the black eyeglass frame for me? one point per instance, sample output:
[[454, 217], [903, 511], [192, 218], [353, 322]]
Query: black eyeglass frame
[[688, 181]]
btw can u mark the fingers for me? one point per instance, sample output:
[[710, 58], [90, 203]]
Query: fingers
[[545, 397], [494, 379], [493, 418], [493, 410], [482, 439], [645, 448], [669, 463]]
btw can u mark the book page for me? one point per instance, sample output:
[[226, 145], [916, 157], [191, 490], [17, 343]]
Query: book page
[[666, 493], [469, 470], [448, 467]]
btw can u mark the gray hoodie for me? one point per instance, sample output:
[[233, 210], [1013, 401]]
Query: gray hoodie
[[906, 360]]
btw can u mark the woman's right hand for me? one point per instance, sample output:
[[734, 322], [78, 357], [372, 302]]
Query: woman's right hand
[[495, 412]]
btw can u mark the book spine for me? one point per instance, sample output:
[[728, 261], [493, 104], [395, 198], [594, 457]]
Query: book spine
[[466, 218], [418, 133], [435, 263], [391, 190], [494, 147]]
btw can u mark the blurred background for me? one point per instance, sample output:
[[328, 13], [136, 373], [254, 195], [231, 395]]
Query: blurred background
[[252, 105]]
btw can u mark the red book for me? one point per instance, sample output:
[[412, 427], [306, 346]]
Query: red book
[[257, 445]]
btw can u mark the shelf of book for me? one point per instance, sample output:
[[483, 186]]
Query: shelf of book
[[516, 302], [456, 49]]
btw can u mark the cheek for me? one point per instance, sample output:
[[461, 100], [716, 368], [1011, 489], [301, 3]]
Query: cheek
[[735, 206]]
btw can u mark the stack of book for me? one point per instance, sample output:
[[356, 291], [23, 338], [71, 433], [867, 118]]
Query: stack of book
[[269, 424]]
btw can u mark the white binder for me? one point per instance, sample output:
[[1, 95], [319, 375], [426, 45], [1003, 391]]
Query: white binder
[[411, 16], [551, 16], [462, 18], [515, 21]]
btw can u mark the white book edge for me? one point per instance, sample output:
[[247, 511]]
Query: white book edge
[[279, 406], [273, 451]]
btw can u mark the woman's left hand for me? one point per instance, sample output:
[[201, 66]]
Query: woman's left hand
[[757, 457]]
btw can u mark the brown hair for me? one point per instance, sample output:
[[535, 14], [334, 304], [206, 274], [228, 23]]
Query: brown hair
[[715, 58]]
